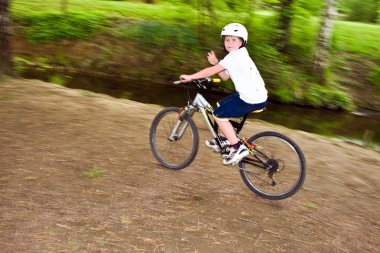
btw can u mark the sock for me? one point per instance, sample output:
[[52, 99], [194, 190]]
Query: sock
[[236, 145]]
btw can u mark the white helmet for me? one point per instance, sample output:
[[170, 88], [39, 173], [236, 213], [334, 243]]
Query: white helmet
[[235, 29]]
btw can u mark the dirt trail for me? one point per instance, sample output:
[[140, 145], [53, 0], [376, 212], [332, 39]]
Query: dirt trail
[[77, 175]]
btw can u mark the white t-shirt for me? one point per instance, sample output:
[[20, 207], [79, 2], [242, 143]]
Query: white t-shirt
[[245, 76]]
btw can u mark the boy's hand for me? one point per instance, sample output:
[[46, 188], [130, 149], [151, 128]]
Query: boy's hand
[[185, 78], [211, 57]]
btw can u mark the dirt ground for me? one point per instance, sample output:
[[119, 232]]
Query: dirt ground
[[77, 175]]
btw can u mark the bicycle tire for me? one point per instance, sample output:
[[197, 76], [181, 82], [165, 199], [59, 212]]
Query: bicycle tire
[[173, 154], [279, 150]]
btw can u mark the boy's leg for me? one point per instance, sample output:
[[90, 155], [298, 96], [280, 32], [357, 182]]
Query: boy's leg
[[213, 143], [228, 131], [237, 151]]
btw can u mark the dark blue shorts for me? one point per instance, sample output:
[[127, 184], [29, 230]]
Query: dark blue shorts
[[233, 106]]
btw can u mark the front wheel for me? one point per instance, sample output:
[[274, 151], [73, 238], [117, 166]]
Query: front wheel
[[174, 138], [275, 168]]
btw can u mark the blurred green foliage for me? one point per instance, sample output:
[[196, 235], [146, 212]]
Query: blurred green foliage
[[329, 97], [303, 40], [58, 79], [374, 77], [359, 10], [41, 27], [159, 33], [20, 64]]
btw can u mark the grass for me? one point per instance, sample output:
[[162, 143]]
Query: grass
[[88, 94], [357, 38], [95, 172], [112, 9], [310, 204], [58, 79]]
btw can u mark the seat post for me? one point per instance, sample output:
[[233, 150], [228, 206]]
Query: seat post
[[242, 122], [239, 125]]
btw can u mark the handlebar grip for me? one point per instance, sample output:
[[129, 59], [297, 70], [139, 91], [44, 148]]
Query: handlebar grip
[[216, 80], [177, 82]]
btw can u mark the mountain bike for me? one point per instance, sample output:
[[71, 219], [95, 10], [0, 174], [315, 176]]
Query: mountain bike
[[274, 169]]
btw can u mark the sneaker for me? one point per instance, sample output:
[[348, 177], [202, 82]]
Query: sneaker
[[236, 155], [214, 146]]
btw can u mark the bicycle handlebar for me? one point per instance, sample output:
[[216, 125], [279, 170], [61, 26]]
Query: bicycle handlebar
[[201, 82]]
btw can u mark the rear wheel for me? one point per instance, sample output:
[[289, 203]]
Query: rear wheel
[[174, 149], [276, 168]]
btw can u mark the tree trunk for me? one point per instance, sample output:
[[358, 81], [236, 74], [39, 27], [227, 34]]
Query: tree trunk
[[206, 21], [64, 4], [324, 41], [286, 15], [5, 45]]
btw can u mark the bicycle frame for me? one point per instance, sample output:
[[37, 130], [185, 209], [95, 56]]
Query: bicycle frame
[[201, 105]]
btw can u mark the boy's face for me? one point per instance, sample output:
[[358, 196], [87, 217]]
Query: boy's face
[[232, 43]]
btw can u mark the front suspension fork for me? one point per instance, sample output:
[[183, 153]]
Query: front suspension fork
[[182, 123]]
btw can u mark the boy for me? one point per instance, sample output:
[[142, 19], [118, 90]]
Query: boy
[[251, 93]]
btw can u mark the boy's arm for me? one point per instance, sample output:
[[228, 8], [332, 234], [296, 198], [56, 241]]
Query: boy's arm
[[207, 72], [224, 75], [213, 60]]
